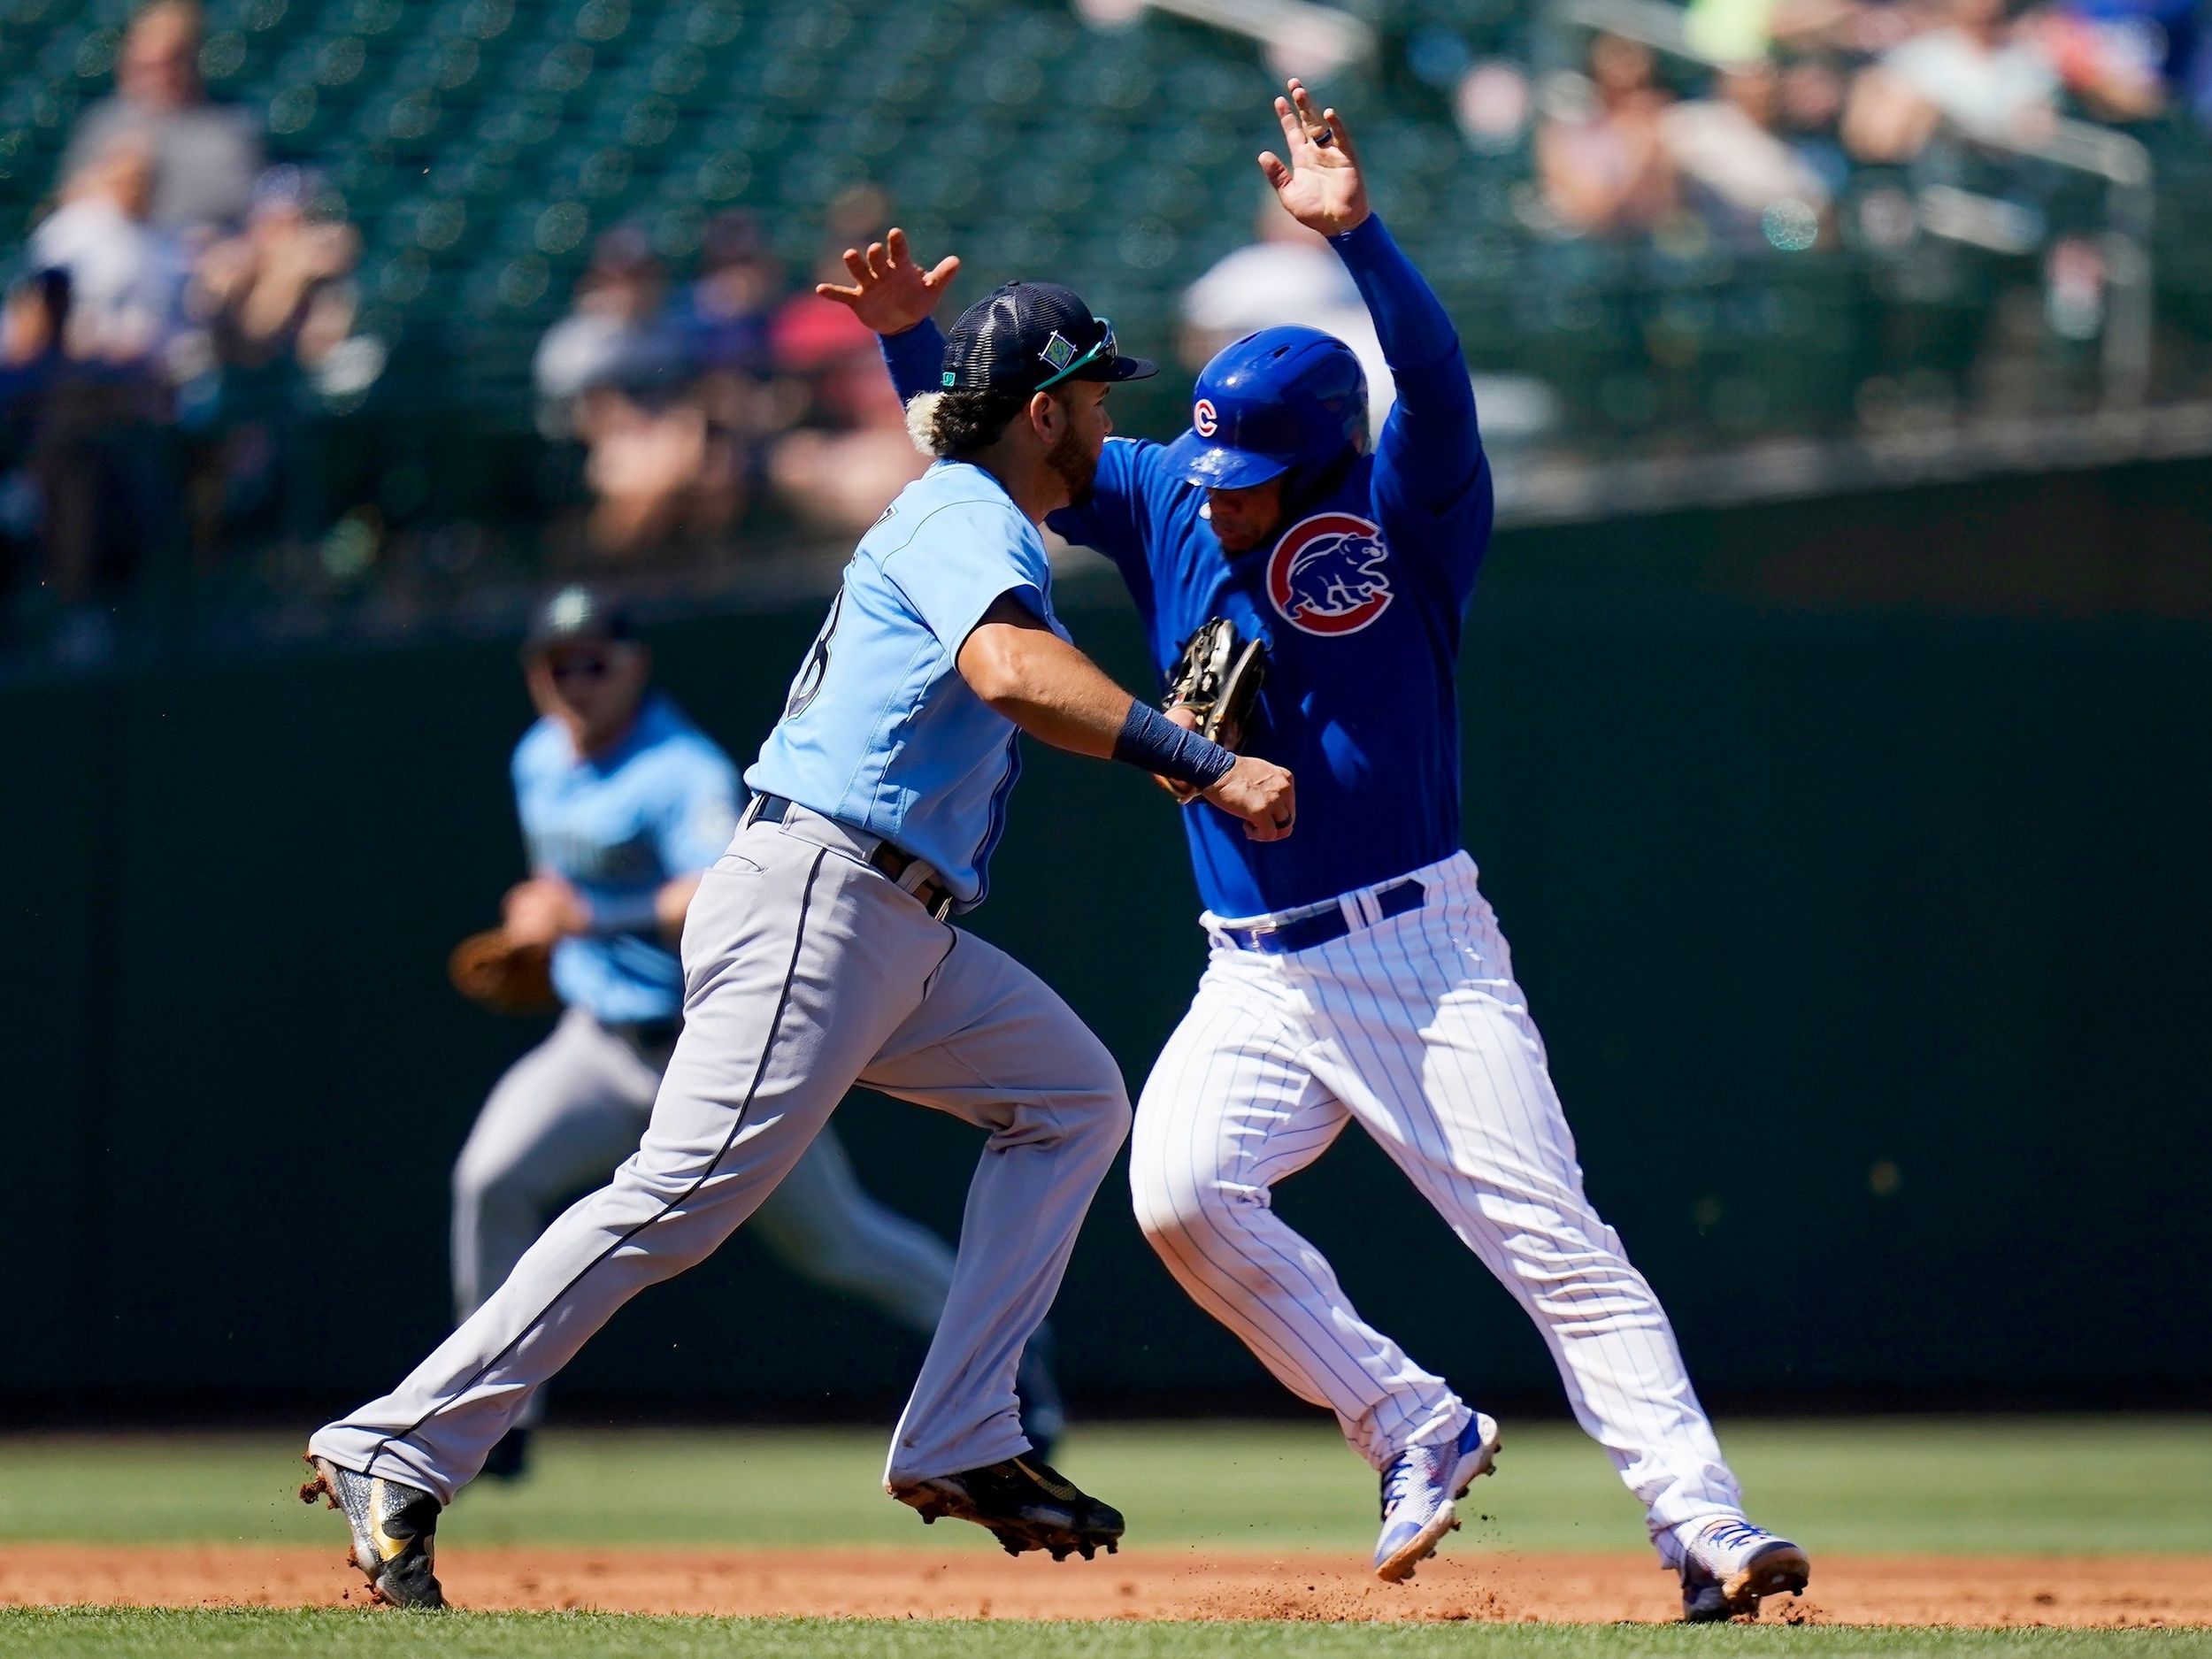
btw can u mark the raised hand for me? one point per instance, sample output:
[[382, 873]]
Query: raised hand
[[1320, 186], [890, 293]]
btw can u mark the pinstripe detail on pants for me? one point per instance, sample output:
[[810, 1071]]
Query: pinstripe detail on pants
[[1415, 1028]]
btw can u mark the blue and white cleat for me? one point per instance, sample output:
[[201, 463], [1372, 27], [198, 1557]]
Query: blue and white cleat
[[1418, 1489], [1729, 1565]]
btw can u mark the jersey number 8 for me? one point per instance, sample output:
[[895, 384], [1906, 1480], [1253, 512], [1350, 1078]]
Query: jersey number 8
[[812, 671]]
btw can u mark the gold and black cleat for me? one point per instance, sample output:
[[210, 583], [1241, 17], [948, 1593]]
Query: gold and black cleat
[[394, 1531]]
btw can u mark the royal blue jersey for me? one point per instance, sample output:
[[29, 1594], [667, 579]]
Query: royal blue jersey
[[880, 730], [1360, 600], [618, 827]]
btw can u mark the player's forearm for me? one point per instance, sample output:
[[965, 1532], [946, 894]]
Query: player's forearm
[[1054, 693], [1433, 442], [1418, 338], [1046, 687], [914, 358]]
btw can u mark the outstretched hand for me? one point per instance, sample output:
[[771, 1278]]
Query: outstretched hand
[[890, 293], [1320, 186]]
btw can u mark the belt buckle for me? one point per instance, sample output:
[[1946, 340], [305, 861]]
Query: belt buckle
[[1260, 941], [942, 908]]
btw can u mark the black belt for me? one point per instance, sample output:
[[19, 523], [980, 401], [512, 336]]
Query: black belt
[[935, 896], [1282, 939]]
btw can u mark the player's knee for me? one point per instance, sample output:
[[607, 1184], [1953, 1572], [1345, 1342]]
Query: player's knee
[[1094, 1105], [1577, 1281], [1177, 1210]]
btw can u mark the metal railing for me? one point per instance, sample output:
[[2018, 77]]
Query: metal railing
[[1298, 36]]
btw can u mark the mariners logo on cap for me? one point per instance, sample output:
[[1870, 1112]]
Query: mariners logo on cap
[[1059, 350], [1330, 574], [1204, 419]]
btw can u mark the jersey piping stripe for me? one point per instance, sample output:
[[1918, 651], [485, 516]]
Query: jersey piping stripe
[[767, 1049]]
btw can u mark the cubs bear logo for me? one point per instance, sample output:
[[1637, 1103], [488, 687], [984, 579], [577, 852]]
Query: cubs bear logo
[[1329, 574], [1205, 418]]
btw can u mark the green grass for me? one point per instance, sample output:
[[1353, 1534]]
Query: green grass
[[338, 1634], [2057, 1485]]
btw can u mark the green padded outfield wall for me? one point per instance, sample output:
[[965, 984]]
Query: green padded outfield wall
[[1854, 853]]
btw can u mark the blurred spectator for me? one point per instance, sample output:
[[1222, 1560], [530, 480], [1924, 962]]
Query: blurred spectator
[[277, 300], [1286, 274], [1289, 274], [279, 288], [1747, 182], [34, 315], [1599, 151], [726, 315], [618, 333], [1746, 31], [127, 279], [612, 374], [2120, 58], [1979, 71], [725, 311], [92, 491], [1811, 98], [848, 452], [207, 155]]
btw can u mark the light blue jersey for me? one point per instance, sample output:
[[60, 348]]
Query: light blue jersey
[[620, 827], [880, 731]]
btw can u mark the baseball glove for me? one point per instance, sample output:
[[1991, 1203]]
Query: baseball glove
[[505, 974], [1218, 679]]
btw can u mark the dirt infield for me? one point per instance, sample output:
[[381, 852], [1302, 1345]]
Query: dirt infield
[[1139, 1585]]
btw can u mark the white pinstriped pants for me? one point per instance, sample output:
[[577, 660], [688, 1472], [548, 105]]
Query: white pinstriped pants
[[1414, 1027]]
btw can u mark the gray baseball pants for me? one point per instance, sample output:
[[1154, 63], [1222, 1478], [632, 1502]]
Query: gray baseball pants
[[805, 971], [567, 1112]]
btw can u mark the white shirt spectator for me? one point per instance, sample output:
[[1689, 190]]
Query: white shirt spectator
[[1277, 282], [126, 280], [1722, 147], [1982, 88]]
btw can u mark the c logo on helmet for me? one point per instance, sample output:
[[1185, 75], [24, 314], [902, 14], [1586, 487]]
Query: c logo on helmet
[[1205, 418], [1330, 574]]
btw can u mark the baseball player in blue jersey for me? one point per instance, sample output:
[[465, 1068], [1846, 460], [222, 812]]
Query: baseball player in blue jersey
[[1355, 972], [819, 952], [624, 804]]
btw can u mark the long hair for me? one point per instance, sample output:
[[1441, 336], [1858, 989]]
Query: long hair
[[952, 426]]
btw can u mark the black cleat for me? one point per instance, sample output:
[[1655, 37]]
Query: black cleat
[[394, 1531], [1025, 1503]]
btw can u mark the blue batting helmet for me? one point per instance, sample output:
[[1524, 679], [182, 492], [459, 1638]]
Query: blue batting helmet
[[1284, 400]]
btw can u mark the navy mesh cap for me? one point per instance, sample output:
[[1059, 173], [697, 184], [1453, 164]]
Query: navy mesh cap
[[575, 615], [1025, 336]]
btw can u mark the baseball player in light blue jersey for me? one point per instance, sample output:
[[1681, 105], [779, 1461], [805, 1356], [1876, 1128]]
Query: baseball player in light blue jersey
[[1357, 973], [624, 804], [819, 952]]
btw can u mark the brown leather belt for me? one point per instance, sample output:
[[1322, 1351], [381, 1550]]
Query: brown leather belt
[[934, 896]]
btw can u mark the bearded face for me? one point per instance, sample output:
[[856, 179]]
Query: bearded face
[[1073, 459]]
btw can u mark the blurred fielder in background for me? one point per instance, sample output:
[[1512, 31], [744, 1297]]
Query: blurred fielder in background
[[624, 802], [1356, 971]]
